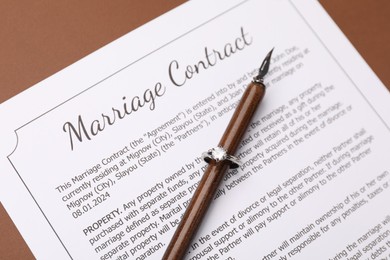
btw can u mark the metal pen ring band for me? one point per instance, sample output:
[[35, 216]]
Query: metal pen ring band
[[219, 154]]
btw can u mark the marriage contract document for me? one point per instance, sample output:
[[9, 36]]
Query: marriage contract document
[[100, 160]]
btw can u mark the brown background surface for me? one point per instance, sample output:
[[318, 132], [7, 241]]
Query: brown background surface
[[41, 37]]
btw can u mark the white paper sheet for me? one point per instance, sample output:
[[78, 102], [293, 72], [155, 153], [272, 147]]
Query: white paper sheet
[[100, 160]]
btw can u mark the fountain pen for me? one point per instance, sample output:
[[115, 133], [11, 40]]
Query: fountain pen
[[220, 159]]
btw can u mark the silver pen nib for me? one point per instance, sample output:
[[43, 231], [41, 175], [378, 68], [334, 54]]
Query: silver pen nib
[[264, 68]]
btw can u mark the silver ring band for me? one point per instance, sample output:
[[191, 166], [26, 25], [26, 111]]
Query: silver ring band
[[219, 154]]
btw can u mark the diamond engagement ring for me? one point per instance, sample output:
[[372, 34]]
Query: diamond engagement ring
[[219, 154]]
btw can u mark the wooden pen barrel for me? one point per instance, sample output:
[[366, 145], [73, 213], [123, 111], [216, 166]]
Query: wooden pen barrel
[[242, 116], [214, 173]]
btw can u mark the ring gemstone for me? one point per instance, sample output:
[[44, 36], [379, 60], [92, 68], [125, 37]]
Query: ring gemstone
[[219, 153]]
